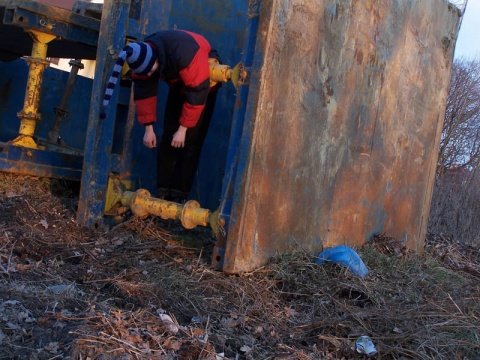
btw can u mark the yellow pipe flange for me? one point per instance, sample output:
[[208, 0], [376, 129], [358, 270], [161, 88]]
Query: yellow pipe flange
[[193, 215], [239, 74]]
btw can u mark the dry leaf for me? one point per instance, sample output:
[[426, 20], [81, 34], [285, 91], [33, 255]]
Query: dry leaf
[[44, 223], [52, 347], [246, 349]]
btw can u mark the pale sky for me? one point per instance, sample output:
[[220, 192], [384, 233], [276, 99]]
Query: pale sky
[[468, 42]]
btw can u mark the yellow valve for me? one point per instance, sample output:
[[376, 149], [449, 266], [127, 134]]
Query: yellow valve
[[224, 73]]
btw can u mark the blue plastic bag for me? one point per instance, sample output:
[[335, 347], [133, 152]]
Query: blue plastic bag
[[343, 255]]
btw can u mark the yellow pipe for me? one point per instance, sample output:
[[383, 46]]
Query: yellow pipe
[[37, 62], [190, 214], [219, 72], [143, 204]]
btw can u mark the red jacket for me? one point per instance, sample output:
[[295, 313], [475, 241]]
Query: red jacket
[[182, 56]]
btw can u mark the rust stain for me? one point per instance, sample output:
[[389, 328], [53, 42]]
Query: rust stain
[[359, 56]]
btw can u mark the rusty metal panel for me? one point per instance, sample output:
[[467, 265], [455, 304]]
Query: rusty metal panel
[[346, 106]]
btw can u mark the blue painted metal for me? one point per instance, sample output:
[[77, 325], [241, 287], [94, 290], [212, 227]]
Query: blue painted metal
[[36, 162], [78, 33], [63, 23], [131, 160], [114, 145], [98, 145], [13, 80], [223, 24], [227, 37], [240, 130], [244, 113], [17, 17]]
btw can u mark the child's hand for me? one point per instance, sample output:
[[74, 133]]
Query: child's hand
[[149, 139], [178, 140]]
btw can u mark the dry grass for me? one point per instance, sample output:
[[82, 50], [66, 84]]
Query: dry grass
[[68, 292]]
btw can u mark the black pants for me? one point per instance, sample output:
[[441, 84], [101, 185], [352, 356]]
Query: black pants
[[176, 167]]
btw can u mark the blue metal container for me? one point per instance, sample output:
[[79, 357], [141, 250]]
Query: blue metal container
[[332, 139]]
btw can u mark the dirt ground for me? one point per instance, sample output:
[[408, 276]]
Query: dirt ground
[[145, 290]]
